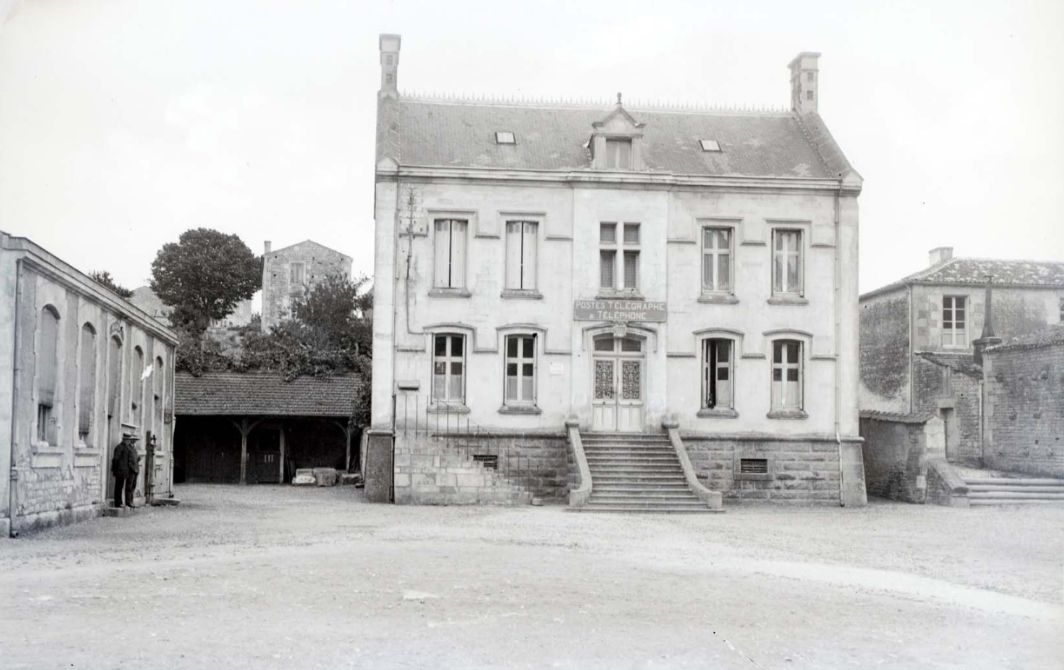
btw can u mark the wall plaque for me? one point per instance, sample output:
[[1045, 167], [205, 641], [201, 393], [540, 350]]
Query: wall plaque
[[619, 311]]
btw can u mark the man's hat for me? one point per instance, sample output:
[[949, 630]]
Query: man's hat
[[130, 436]]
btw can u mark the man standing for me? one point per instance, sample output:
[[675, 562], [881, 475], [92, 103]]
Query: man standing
[[124, 466]]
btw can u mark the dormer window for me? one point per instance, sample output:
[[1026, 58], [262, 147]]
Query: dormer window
[[618, 154], [505, 137]]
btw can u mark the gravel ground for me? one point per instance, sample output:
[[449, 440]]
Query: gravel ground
[[278, 577]]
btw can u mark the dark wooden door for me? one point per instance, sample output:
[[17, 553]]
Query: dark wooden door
[[264, 456]]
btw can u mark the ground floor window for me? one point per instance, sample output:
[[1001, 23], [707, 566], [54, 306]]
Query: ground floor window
[[787, 375], [448, 368], [716, 374], [520, 370]]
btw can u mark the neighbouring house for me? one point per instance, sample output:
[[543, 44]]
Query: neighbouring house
[[259, 428], [1024, 379], [628, 278], [922, 394], [83, 367], [290, 273], [146, 299]]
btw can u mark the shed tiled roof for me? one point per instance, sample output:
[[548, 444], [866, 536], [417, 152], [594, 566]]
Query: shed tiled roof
[[961, 362], [246, 394], [447, 133], [893, 417], [974, 271], [1039, 338]]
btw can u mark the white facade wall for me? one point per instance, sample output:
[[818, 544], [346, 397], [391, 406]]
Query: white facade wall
[[670, 271]]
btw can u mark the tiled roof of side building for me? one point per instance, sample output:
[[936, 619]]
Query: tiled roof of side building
[[961, 362], [250, 394], [1045, 337], [974, 271], [444, 133]]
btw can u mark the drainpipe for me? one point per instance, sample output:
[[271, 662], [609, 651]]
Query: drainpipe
[[837, 290], [12, 500]]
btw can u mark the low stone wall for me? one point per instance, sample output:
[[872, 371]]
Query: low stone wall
[[797, 470], [896, 453], [457, 469]]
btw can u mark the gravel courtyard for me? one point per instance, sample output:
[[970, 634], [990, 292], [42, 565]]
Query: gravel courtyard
[[277, 577]]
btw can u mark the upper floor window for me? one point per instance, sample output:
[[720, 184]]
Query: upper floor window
[[520, 370], [47, 377], [521, 255], [448, 368], [86, 384], [618, 154], [716, 259], [450, 253], [717, 374], [624, 251], [786, 375], [787, 261], [954, 321], [297, 274]]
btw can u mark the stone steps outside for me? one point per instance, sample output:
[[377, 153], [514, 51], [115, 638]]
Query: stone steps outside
[[1014, 490]]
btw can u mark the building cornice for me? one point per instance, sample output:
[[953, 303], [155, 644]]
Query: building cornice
[[605, 179]]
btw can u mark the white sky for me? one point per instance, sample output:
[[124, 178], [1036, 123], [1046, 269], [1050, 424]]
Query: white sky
[[125, 122]]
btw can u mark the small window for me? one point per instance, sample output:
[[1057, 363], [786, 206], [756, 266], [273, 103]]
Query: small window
[[505, 137], [954, 321], [618, 154], [297, 273], [716, 260], [520, 372], [808, 95], [787, 262], [787, 375], [448, 369], [717, 380], [450, 253], [709, 145]]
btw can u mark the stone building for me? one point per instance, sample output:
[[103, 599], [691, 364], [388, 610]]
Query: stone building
[[549, 275], [291, 272], [88, 366], [145, 298]]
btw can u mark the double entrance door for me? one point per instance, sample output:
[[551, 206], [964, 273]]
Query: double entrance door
[[618, 384]]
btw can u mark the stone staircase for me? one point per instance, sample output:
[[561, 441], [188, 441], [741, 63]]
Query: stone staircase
[[1014, 491], [636, 472]]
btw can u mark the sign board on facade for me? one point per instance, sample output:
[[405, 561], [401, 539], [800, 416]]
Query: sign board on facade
[[619, 311]]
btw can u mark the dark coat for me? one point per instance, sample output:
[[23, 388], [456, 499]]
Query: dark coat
[[125, 463]]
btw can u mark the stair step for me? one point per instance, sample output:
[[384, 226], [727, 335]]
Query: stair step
[[622, 478], [1005, 487], [1018, 481], [661, 509], [984, 502], [639, 486], [1013, 495]]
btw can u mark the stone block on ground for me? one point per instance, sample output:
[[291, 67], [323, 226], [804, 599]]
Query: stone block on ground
[[326, 476], [304, 477]]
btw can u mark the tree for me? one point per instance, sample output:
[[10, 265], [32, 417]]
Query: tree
[[203, 276], [336, 309], [104, 277]]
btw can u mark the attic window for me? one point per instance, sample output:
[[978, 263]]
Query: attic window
[[709, 145], [505, 137]]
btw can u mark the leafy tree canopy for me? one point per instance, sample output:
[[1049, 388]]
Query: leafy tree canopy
[[104, 277], [203, 276]]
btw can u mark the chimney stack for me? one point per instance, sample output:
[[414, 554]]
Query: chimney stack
[[940, 255], [389, 47], [268, 246], [804, 80], [987, 338]]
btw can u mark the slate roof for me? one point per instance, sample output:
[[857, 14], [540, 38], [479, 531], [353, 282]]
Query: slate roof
[[1039, 338], [438, 133], [974, 271], [246, 394]]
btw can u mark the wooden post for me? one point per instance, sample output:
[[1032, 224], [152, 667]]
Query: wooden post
[[245, 427], [280, 478], [347, 456]]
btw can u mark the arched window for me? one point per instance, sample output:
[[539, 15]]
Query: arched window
[[86, 384], [114, 379], [136, 386], [47, 363], [157, 399]]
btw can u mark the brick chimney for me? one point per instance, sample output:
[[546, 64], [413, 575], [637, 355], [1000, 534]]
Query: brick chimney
[[389, 47], [804, 81], [987, 338], [940, 255]]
